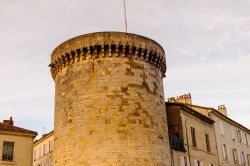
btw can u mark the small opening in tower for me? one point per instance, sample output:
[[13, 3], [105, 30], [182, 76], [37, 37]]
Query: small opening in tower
[[112, 49], [99, 49], [106, 50], [120, 50]]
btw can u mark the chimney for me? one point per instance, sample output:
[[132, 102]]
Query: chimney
[[222, 109], [171, 100], [9, 122], [185, 99]]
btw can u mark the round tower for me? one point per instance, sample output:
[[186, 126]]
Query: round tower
[[109, 101]]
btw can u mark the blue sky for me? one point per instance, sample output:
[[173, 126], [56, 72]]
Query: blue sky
[[206, 42]]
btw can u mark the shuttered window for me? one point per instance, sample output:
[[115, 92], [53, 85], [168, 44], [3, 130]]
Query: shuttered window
[[246, 139], [221, 128], [239, 157], [248, 159], [225, 152], [239, 135], [235, 155], [207, 142], [198, 163], [233, 133], [184, 161], [243, 158], [193, 137]]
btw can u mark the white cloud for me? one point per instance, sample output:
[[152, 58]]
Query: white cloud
[[206, 41]]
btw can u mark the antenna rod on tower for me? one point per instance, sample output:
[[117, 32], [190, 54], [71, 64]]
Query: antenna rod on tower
[[125, 16]]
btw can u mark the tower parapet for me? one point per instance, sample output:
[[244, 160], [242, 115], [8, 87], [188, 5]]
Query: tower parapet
[[105, 45], [109, 101]]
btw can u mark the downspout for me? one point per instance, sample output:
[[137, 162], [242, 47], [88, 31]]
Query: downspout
[[187, 143], [172, 156], [210, 116]]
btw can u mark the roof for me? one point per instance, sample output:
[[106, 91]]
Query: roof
[[44, 137], [13, 129], [192, 112], [214, 111]]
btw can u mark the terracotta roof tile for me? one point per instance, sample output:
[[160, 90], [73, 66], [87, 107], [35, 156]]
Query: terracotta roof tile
[[11, 128]]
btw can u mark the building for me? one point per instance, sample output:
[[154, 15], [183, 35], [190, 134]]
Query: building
[[232, 138], [192, 136], [15, 144], [109, 101], [43, 150]]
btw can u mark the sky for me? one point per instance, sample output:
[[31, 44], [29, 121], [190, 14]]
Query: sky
[[207, 45]]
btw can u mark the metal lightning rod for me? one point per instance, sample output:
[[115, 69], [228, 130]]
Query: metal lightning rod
[[125, 15]]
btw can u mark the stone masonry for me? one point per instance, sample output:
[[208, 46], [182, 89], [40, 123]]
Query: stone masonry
[[109, 101]]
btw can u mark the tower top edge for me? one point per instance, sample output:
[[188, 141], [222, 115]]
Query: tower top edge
[[109, 38]]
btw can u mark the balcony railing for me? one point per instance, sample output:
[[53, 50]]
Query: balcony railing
[[177, 144]]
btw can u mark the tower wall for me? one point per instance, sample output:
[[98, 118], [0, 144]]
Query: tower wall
[[109, 101]]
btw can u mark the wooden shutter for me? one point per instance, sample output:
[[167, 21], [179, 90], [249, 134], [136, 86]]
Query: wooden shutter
[[223, 152], [195, 163], [188, 162], [246, 160], [221, 128], [239, 157], [243, 137], [182, 161], [233, 133], [228, 153]]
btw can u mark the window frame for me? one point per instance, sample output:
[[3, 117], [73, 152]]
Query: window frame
[[194, 143], [8, 154], [207, 142]]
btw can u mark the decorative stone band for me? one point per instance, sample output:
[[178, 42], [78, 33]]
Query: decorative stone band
[[106, 45]]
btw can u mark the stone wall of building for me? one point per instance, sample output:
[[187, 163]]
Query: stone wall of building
[[22, 149], [109, 101], [202, 125], [43, 150], [232, 141]]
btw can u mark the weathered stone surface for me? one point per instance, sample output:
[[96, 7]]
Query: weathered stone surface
[[109, 101]]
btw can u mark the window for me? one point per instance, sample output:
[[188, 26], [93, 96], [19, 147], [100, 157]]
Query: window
[[233, 133], [243, 158], [248, 159], [225, 152], [34, 155], [246, 139], [221, 128], [8, 151], [235, 155], [198, 163], [193, 137], [49, 146], [239, 135], [40, 152], [239, 157], [44, 149], [207, 142], [184, 161]]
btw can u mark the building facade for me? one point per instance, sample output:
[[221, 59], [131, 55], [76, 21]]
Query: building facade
[[109, 101], [232, 139], [43, 150], [192, 137], [15, 144]]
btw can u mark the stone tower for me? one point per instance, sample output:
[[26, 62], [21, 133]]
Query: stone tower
[[109, 101]]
